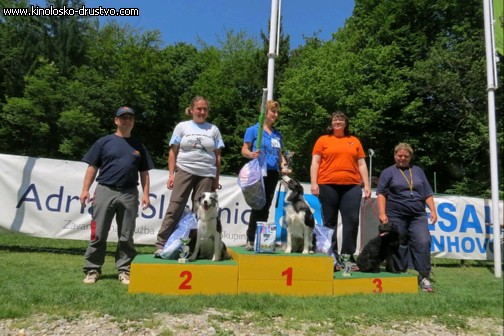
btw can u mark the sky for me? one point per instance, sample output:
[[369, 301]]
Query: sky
[[188, 20]]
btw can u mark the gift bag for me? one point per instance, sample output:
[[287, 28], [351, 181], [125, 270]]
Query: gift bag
[[173, 245], [265, 237], [251, 183]]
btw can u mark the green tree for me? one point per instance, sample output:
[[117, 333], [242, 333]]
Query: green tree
[[403, 71], [64, 36], [232, 81], [20, 47], [29, 123]]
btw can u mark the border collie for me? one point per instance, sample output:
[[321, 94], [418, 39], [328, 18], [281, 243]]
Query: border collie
[[380, 248], [298, 218], [209, 243]]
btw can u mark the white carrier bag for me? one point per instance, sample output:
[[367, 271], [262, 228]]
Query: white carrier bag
[[251, 183]]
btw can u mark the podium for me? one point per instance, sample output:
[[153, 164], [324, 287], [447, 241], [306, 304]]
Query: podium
[[278, 273], [159, 276], [284, 274], [374, 283]]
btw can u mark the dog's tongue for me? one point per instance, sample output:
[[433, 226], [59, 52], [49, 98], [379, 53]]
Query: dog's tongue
[[205, 206]]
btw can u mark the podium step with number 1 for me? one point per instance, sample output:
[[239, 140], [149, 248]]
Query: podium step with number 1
[[281, 273]]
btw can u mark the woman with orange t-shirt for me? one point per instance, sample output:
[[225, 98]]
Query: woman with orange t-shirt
[[338, 171]]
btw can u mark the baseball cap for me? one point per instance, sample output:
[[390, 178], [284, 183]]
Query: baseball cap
[[123, 110]]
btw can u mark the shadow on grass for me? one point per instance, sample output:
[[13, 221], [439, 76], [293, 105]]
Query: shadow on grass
[[58, 250], [453, 263], [64, 250]]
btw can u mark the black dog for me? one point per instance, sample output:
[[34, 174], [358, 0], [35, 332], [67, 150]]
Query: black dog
[[380, 248]]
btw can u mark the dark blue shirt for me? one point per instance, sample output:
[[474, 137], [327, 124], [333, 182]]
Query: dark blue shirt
[[401, 199], [119, 160]]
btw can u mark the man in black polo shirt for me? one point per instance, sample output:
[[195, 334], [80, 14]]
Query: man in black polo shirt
[[120, 159]]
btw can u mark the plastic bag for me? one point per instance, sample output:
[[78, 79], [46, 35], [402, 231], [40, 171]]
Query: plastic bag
[[324, 240], [173, 245], [251, 183]]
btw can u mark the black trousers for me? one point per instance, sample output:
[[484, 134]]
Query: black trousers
[[346, 200], [270, 183]]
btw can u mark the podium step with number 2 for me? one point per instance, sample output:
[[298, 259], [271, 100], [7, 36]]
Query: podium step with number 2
[[158, 276]]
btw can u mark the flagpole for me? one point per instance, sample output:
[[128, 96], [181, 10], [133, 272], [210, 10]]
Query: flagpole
[[273, 44], [491, 86], [272, 54], [261, 120]]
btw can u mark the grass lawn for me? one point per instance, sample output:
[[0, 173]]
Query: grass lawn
[[45, 276]]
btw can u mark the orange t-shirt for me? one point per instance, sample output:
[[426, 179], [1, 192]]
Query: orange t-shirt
[[338, 159]]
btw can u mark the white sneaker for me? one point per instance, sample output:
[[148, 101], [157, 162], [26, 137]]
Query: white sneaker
[[124, 278], [158, 253], [426, 285], [91, 277], [249, 246]]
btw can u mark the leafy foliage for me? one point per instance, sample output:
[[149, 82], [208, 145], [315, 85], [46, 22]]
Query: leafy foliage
[[406, 70]]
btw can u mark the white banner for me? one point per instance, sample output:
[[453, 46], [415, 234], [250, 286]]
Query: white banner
[[40, 197]]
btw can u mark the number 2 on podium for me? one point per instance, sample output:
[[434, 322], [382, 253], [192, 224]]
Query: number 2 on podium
[[185, 283]]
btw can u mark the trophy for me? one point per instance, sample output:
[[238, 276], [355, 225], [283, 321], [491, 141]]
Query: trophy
[[185, 250], [347, 265], [288, 156]]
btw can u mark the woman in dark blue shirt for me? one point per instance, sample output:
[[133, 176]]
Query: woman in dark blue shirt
[[403, 192]]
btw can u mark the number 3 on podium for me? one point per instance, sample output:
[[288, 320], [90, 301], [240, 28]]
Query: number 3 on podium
[[378, 282]]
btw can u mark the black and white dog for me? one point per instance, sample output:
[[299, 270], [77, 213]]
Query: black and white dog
[[379, 249], [209, 243], [298, 218]]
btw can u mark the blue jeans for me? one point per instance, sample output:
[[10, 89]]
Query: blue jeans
[[345, 199], [415, 244]]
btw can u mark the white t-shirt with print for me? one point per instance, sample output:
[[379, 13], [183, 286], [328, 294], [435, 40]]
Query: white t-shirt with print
[[197, 144]]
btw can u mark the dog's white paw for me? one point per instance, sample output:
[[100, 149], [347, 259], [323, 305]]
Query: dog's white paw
[[305, 252], [288, 250], [215, 258]]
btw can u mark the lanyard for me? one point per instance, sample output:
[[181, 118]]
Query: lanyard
[[410, 181]]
